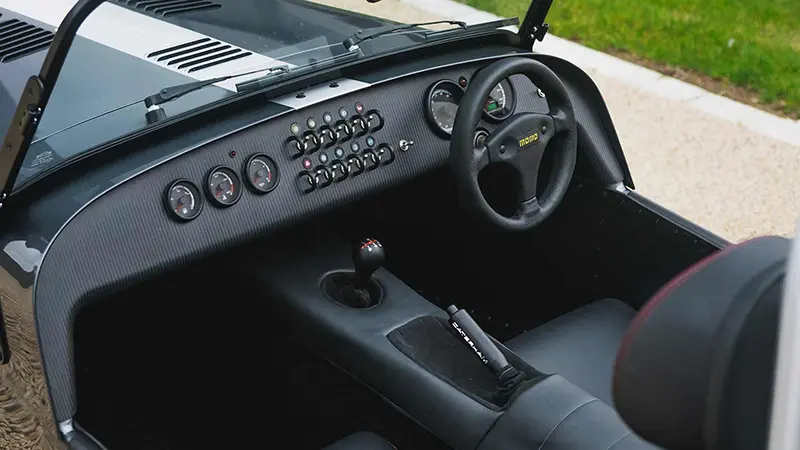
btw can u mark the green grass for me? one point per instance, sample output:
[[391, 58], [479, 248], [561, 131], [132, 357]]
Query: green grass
[[691, 34]]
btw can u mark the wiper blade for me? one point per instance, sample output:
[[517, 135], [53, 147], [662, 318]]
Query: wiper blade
[[352, 42], [360, 36], [171, 93], [295, 71]]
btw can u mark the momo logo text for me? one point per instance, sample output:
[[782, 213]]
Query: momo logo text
[[532, 139]]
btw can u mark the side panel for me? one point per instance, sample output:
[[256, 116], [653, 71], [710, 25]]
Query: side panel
[[596, 132]]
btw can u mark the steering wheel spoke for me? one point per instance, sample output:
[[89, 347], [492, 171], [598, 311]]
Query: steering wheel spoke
[[527, 165], [480, 157], [562, 122], [528, 208]]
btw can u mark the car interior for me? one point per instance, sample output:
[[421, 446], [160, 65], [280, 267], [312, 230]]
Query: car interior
[[396, 274], [264, 324]]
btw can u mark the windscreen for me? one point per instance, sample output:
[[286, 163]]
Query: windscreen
[[127, 50]]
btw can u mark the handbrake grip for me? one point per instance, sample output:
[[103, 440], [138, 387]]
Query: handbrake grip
[[477, 340]]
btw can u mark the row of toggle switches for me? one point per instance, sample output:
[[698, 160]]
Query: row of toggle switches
[[330, 134], [341, 169]]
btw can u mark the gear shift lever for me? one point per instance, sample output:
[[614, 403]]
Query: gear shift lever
[[368, 256], [358, 290]]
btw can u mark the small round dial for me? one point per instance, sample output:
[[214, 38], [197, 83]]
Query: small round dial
[[223, 186], [183, 200], [496, 101], [500, 103], [261, 173], [442, 106]]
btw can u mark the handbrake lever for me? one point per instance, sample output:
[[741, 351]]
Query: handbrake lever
[[479, 342]]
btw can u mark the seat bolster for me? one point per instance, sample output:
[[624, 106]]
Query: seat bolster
[[361, 440], [555, 414]]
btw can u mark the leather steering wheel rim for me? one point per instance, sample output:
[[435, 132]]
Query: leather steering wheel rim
[[519, 141]]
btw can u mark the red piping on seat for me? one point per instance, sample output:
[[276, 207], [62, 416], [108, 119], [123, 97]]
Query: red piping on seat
[[648, 309]]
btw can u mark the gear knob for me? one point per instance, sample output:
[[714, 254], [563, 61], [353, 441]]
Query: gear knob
[[368, 256]]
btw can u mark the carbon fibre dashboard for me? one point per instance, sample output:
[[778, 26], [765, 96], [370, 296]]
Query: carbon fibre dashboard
[[123, 234], [308, 171]]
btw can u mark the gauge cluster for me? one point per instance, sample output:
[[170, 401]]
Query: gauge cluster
[[222, 187], [444, 96]]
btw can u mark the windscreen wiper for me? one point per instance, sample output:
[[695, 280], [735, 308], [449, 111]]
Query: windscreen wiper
[[155, 113], [311, 66], [165, 95], [360, 36]]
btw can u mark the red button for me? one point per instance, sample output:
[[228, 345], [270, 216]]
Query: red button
[[359, 108], [306, 163]]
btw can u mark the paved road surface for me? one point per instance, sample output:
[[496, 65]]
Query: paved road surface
[[726, 177]]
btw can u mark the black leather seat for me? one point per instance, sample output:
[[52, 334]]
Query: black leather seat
[[361, 440], [697, 365], [581, 345], [692, 369]]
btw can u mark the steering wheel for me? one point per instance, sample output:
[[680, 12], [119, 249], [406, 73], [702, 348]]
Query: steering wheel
[[520, 141]]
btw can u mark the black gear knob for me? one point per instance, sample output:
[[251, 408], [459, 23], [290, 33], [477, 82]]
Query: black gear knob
[[368, 256]]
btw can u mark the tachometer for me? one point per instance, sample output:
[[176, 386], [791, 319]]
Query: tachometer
[[442, 105], [501, 102], [261, 173], [183, 200], [223, 186]]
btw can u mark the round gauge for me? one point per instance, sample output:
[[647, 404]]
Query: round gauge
[[500, 103], [223, 186], [183, 200], [442, 105], [261, 173]]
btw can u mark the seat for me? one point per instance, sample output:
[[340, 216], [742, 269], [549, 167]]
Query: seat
[[361, 440], [580, 345], [694, 368]]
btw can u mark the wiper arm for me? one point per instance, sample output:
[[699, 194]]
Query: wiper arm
[[360, 36], [171, 93], [155, 113]]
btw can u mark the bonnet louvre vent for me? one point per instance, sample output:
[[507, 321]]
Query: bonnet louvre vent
[[198, 55], [167, 8], [18, 39]]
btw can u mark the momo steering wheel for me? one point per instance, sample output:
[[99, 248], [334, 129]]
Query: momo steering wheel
[[520, 141]]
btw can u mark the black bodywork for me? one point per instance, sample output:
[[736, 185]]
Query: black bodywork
[[90, 256]]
